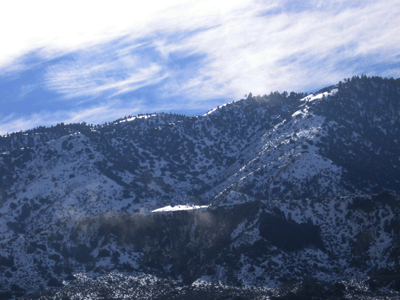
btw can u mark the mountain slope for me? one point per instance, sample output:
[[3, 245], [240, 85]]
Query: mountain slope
[[261, 244], [306, 157]]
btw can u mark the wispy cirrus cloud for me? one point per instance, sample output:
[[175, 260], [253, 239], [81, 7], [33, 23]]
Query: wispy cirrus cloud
[[95, 114], [100, 73], [187, 56], [294, 49]]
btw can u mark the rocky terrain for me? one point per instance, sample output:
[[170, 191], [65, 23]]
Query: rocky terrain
[[267, 197]]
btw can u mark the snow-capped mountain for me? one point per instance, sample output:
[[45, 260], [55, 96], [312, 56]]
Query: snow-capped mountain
[[79, 198]]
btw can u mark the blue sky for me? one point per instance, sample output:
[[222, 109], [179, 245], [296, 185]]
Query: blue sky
[[92, 61]]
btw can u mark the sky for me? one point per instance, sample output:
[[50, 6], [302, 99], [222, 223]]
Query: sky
[[98, 61]]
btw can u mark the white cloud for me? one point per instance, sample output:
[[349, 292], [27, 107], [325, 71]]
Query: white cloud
[[244, 47], [249, 52], [85, 77], [54, 27]]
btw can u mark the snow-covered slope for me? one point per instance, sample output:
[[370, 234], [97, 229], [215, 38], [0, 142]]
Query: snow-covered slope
[[338, 142], [256, 244]]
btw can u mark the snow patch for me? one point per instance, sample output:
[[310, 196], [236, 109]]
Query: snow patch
[[313, 97], [180, 207]]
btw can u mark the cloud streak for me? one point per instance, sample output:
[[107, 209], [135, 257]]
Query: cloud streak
[[295, 49], [186, 55], [85, 76], [96, 114]]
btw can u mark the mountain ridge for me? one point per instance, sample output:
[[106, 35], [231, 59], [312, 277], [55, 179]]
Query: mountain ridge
[[331, 158]]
